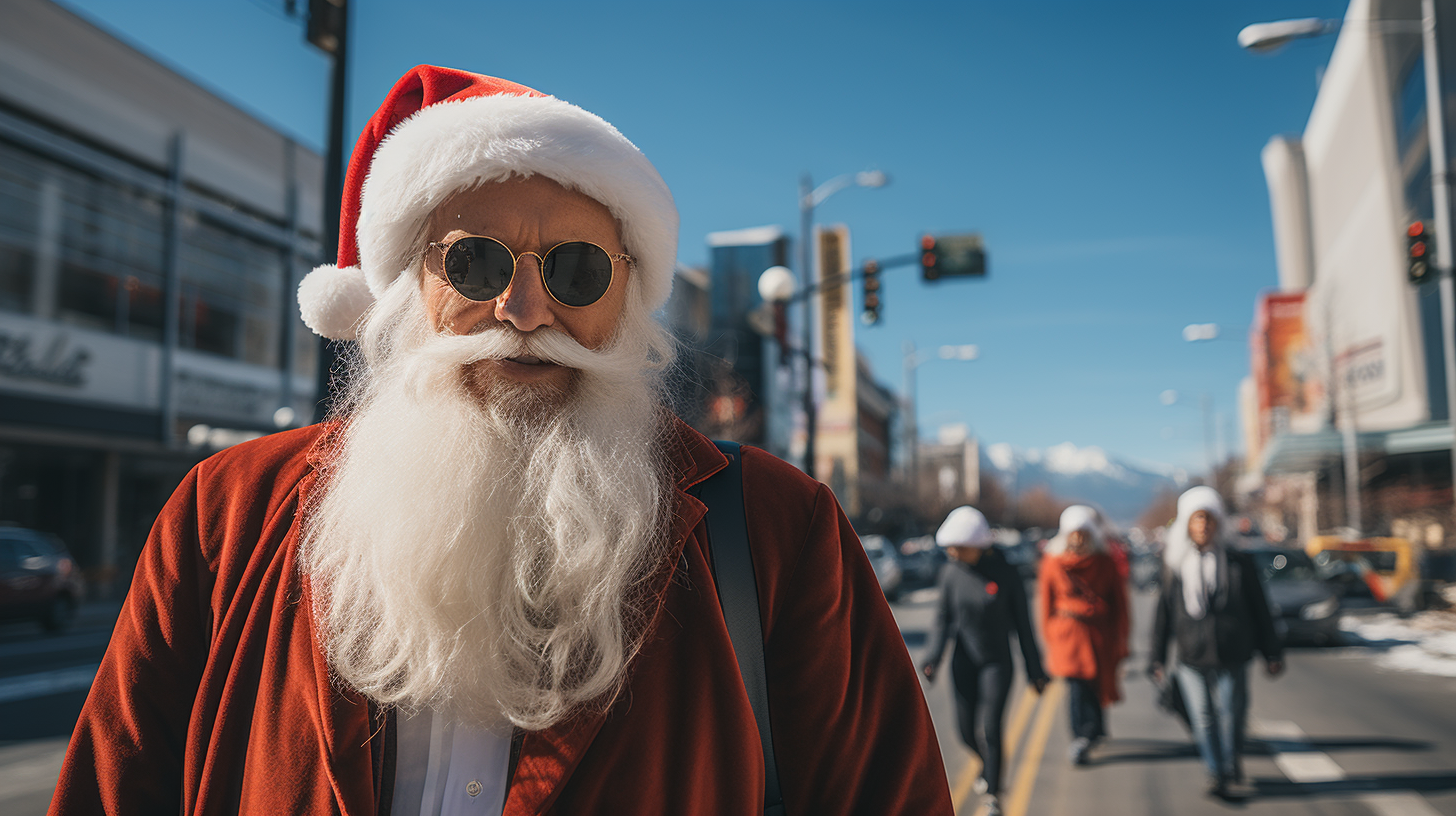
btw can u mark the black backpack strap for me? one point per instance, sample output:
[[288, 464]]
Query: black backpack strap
[[732, 564]]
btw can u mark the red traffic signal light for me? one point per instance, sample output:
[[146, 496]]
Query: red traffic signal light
[[1418, 248], [928, 259]]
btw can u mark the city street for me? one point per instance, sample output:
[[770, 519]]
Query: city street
[[1337, 734], [43, 683]]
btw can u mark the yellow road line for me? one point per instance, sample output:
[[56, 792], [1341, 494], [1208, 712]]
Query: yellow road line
[[1031, 762], [1019, 718], [972, 769], [969, 772]]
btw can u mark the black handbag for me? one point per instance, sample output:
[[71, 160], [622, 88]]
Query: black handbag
[[1170, 698]]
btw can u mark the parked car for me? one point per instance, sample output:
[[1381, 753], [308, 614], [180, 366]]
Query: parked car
[[38, 578], [921, 560], [1306, 609], [886, 563]]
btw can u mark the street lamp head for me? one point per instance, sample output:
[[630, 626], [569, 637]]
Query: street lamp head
[[1194, 332], [968, 351], [777, 284], [871, 178], [1269, 37]]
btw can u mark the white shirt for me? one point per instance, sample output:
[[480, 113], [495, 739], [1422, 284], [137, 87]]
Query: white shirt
[[442, 768]]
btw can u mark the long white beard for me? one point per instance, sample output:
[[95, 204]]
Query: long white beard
[[488, 560]]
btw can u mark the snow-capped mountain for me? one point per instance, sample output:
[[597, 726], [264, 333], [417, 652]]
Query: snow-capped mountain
[[1123, 490]]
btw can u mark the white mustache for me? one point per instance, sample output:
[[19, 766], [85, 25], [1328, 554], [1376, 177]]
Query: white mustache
[[547, 345]]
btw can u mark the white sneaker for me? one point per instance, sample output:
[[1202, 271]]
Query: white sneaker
[[991, 806]]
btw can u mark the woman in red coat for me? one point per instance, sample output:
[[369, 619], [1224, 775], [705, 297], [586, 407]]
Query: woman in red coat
[[1082, 603]]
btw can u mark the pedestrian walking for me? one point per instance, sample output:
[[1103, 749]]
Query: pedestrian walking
[[1083, 611], [982, 604], [1214, 609]]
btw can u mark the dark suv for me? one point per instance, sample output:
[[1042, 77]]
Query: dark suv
[[38, 578]]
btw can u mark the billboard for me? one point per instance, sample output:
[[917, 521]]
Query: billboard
[[1288, 384]]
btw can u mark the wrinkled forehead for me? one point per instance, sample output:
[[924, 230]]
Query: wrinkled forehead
[[534, 204]]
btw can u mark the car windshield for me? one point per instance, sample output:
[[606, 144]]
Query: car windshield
[[1285, 566]]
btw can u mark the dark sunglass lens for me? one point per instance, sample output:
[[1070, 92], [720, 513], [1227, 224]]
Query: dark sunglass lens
[[578, 273], [479, 268]]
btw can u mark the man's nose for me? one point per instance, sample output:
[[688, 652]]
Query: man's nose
[[526, 304]]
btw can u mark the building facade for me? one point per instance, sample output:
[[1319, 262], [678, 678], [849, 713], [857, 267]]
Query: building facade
[[1348, 404], [152, 236], [747, 385]]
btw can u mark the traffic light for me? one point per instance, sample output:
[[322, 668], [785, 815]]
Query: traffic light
[[1419, 247], [871, 313], [928, 259], [952, 256]]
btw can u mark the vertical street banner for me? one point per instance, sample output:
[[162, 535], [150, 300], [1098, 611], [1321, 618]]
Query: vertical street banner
[[1285, 369], [837, 445]]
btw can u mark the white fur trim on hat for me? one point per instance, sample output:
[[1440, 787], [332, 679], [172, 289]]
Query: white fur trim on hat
[[333, 300], [457, 145], [964, 527]]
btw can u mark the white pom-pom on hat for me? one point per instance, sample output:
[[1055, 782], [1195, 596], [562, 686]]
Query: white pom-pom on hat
[[333, 301]]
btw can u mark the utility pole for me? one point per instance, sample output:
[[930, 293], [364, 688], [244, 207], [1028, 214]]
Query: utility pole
[[1441, 204], [328, 30], [811, 280]]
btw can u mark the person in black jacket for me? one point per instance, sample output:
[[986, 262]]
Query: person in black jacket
[[982, 603], [1213, 607]]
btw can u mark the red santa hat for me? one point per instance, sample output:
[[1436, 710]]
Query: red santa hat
[[441, 131]]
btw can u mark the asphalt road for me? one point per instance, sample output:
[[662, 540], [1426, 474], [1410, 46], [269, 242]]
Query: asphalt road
[[43, 683], [1337, 734], [1334, 735]]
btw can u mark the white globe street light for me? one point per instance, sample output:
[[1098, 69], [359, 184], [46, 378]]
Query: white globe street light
[[970, 351], [777, 284]]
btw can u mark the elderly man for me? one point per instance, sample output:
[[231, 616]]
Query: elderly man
[[484, 587]]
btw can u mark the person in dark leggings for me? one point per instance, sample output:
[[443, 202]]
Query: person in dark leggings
[[982, 603]]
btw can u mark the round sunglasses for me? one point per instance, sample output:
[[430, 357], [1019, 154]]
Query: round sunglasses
[[575, 273]]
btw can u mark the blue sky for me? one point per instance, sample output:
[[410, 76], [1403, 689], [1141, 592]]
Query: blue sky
[[1109, 153]]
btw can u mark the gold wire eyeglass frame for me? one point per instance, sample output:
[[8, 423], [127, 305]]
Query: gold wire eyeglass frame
[[444, 247]]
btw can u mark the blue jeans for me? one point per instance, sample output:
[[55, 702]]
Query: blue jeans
[[1218, 701], [1086, 709]]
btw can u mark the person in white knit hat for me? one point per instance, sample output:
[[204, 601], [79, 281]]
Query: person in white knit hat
[[1214, 609], [484, 586], [1083, 611], [982, 605]]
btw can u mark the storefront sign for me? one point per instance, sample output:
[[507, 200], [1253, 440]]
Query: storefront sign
[[48, 360]]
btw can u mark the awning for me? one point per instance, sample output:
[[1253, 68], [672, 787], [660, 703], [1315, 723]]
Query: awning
[[1302, 453]]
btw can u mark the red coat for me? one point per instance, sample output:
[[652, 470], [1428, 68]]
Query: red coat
[[214, 698], [1083, 610]]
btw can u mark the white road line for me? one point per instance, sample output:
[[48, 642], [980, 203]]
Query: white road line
[[42, 684], [1402, 803], [1304, 765], [1309, 768]]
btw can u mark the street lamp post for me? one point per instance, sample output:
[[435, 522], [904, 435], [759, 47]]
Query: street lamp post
[[914, 360], [811, 197], [1271, 36], [1205, 407]]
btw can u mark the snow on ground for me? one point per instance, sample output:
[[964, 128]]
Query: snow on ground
[[1423, 643]]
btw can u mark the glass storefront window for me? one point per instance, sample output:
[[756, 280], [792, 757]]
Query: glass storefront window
[[232, 288]]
